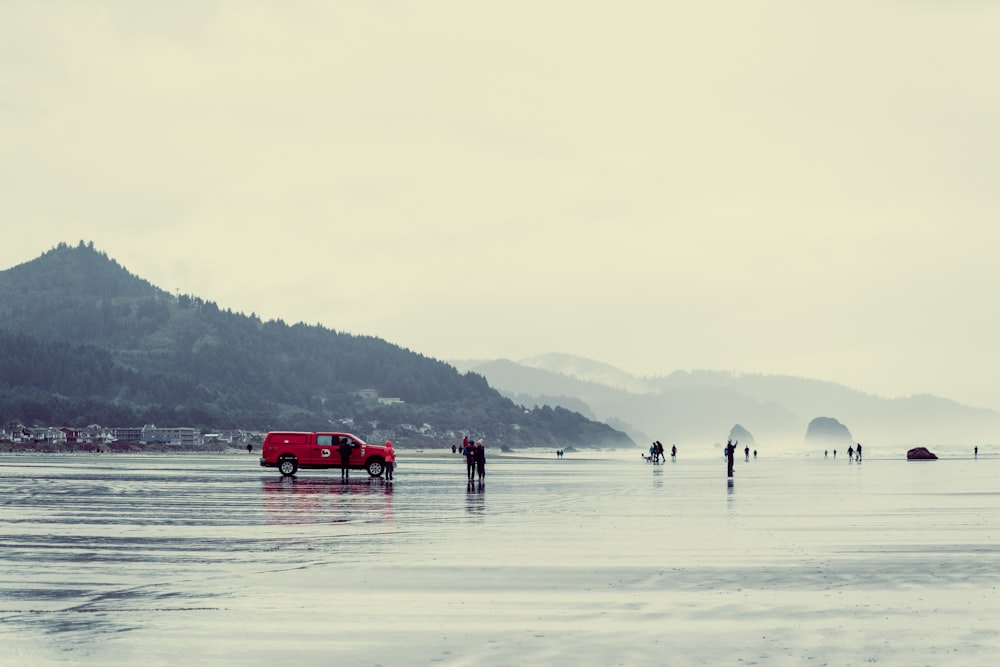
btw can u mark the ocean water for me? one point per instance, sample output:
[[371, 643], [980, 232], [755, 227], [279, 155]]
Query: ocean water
[[596, 559]]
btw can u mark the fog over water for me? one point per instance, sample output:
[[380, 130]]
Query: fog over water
[[595, 559]]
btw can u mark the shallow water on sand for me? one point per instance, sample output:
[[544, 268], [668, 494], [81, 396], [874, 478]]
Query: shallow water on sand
[[599, 560]]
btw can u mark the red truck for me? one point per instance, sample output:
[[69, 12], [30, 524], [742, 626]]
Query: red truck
[[290, 450]]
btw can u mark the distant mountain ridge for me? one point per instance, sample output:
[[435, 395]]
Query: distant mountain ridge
[[588, 370], [702, 406], [84, 341]]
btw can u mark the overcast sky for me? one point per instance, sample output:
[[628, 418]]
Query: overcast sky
[[789, 187]]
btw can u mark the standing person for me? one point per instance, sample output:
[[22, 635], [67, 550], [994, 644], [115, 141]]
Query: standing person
[[470, 459], [345, 458], [746, 453], [850, 453], [975, 452], [730, 450], [390, 460], [480, 458], [858, 452], [673, 451]]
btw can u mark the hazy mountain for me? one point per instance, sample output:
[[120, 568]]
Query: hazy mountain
[[84, 341], [589, 370], [702, 406]]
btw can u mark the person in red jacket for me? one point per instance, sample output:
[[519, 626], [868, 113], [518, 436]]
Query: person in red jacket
[[390, 459]]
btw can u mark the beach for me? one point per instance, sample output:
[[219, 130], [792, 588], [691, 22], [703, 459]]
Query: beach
[[596, 559]]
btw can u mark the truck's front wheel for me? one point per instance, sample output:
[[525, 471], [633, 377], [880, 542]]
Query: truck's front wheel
[[376, 467]]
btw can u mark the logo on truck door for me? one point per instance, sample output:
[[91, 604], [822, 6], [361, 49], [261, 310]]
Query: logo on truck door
[[324, 453]]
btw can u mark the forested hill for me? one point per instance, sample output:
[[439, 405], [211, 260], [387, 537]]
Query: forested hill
[[84, 341]]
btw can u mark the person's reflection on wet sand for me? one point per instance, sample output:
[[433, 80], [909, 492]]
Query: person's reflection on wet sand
[[475, 498]]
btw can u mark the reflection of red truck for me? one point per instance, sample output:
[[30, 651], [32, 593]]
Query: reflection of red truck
[[323, 500], [290, 450]]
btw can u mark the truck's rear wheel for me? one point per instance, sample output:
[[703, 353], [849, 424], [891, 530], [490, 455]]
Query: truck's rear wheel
[[287, 467]]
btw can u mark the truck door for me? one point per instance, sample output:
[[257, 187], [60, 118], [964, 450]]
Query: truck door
[[324, 451]]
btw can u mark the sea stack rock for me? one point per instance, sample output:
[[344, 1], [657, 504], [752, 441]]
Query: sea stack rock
[[828, 432], [741, 435], [920, 454]]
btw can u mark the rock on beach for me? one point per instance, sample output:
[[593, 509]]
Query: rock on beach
[[920, 454]]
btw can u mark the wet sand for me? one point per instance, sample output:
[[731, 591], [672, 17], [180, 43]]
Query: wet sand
[[603, 560]]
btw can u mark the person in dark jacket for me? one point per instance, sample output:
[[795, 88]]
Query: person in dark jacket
[[730, 450], [470, 459], [345, 458], [480, 458]]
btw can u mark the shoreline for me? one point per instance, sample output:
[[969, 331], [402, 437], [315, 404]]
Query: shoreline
[[873, 453]]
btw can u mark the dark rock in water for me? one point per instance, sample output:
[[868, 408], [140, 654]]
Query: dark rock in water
[[920, 454], [828, 432], [741, 435]]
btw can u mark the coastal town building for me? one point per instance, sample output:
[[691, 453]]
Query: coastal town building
[[183, 436], [149, 434]]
